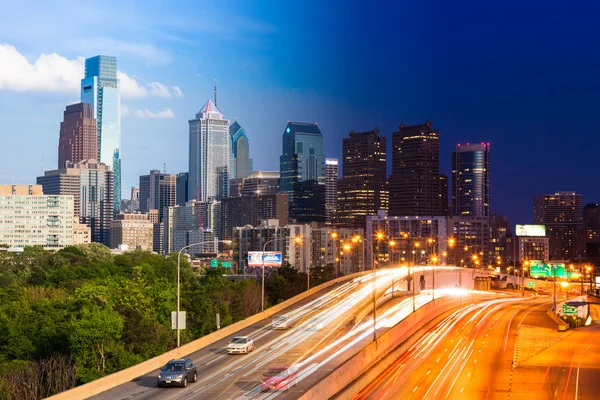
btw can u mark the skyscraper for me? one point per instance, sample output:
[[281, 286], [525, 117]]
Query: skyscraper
[[210, 154], [416, 185], [182, 195], [331, 179], [100, 88], [78, 138], [90, 183], [471, 180], [240, 152], [157, 191], [562, 214], [363, 188], [302, 169]]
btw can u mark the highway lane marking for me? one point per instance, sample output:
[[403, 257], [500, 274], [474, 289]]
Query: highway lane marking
[[508, 330]]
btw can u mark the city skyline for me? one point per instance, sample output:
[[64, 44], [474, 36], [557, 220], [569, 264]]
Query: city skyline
[[468, 106]]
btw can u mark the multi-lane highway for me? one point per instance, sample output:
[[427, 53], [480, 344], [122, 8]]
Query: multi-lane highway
[[499, 349], [323, 336]]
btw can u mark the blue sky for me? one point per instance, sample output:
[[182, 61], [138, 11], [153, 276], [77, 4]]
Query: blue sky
[[521, 76]]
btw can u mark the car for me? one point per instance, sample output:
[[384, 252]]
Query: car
[[279, 378], [240, 345], [314, 324], [280, 322], [177, 373]]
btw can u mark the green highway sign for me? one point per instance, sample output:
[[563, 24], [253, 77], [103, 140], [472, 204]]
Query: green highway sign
[[226, 264], [214, 263], [538, 269], [530, 284], [567, 310]]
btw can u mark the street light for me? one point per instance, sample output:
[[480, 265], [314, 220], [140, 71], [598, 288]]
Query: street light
[[298, 240], [262, 256], [334, 235], [227, 242]]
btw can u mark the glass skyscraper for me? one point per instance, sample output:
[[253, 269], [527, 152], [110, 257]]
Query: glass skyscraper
[[210, 155], [100, 88], [240, 152], [471, 180]]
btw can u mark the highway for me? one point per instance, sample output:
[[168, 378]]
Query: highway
[[497, 349], [322, 337]]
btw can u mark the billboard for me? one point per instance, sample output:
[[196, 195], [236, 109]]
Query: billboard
[[269, 258], [530, 230]]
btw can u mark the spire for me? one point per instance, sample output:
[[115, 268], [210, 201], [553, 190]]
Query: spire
[[215, 93]]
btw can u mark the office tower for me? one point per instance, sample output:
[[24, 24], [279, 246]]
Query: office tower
[[158, 231], [132, 205], [210, 154], [416, 185], [240, 152], [498, 240], [91, 185], [591, 232], [562, 214], [331, 179], [31, 218], [531, 243], [251, 209], [363, 188], [132, 230], [100, 88], [157, 191], [183, 226], [78, 138], [261, 182], [471, 180], [302, 169], [181, 195]]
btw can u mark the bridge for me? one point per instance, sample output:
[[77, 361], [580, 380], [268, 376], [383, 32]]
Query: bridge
[[333, 326]]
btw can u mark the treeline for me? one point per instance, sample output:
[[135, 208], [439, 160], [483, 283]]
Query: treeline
[[75, 315]]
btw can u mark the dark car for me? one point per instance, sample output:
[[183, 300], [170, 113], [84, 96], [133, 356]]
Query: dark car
[[177, 373]]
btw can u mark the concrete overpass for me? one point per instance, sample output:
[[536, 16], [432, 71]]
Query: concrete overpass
[[327, 333]]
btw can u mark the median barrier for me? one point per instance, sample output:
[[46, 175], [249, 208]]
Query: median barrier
[[562, 325], [110, 381], [356, 365]]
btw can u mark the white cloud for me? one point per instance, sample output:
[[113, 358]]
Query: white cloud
[[103, 45], [54, 73], [145, 113]]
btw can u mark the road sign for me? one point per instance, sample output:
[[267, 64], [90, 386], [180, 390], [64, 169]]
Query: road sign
[[270, 259], [567, 310], [226, 264], [531, 284], [181, 320], [214, 263]]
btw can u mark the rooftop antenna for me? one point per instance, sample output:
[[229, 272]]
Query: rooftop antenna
[[165, 168], [42, 163], [215, 92]]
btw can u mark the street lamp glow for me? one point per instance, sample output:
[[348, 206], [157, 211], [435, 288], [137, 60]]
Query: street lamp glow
[[347, 247], [379, 235]]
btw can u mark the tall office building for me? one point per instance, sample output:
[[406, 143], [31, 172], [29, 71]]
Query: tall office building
[[240, 152], [31, 218], [562, 214], [181, 195], [471, 180], [100, 88], [157, 191], [251, 209], [302, 170], [210, 154], [331, 179], [261, 182], [416, 185], [363, 188], [91, 185], [78, 138]]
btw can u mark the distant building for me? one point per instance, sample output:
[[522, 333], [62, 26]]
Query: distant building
[[157, 231], [251, 210], [210, 155], [157, 191], [363, 188], [183, 226], [100, 88], [500, 230], [471, 180], [303, 160], [91, 184], [132, 205], [31, 218], [562, 215], [181, 191], [331, 179], [240, 152], [78, 138], [133, 230], [336, 247], [416, 186], [82, 234], [261, 182]]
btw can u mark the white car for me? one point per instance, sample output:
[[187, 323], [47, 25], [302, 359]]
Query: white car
[[240, 345], [280, 322]]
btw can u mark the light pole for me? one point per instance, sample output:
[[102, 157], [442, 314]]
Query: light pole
[[262, 257], [227, 242], [334, 236]]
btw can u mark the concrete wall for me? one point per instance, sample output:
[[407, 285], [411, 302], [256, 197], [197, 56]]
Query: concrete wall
[[126, 375], [372, 353]]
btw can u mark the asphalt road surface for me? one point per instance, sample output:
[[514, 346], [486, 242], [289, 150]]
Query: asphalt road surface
[[499, 349]]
